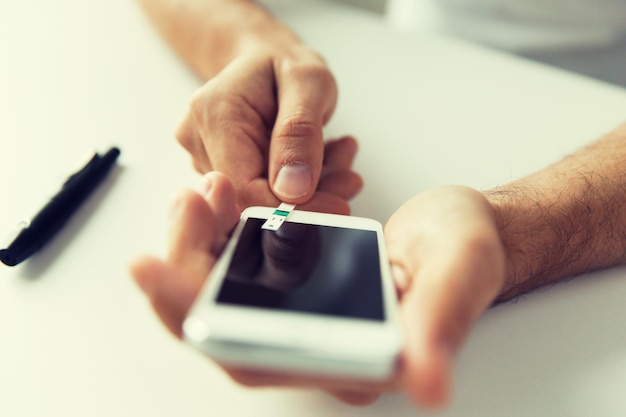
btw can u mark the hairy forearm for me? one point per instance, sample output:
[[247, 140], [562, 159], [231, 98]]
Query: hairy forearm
[[566, 219], [208, 34]]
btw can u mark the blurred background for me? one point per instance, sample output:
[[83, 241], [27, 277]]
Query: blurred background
[[377, 6], [602, 62]]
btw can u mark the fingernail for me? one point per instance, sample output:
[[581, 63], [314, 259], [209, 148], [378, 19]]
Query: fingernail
[[293, 181]]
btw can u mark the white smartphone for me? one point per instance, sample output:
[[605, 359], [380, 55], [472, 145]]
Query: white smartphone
[[313, 297]]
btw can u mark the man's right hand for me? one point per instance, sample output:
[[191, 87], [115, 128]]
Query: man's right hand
[[260, 120]]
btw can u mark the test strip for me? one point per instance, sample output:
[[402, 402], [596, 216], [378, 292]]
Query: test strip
[[278, 217]]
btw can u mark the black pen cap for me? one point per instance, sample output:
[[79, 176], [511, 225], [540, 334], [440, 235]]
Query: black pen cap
[[20, 248]]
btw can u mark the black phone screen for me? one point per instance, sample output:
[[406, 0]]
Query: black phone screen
[[306, 268]]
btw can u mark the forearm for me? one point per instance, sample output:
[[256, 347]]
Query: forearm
[[566, 219], [208, 34]]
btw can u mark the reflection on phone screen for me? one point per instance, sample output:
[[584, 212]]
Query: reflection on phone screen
[[306, 268]]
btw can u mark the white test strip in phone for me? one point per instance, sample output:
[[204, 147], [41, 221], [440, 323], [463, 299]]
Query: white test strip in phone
[[278, 217]]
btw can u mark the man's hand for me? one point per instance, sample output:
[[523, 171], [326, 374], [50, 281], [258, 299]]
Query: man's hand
[[260, 120], [449, 265], [200, 225], [259, 117], [447, 261]]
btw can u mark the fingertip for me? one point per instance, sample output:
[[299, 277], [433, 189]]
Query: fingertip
[[221, 198], [428, 356], [220, 195], [296, 157], [169, 295], [145, 270], [353, 398], [348, 143], [345, 184], [327, 203], [428, 380], [215, 180], [191, 225]]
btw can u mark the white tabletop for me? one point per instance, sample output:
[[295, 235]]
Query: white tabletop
[[78, 339]]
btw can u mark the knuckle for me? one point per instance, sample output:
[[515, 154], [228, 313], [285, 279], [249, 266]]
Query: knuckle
[[297, 126], [201, 166], [309, 66], [204, 103], [184, 137], [186, 133], [315, 73], [211, 101], [223, 112]]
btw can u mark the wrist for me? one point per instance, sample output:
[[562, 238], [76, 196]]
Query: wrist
[[560, 222], [209, 34], [247, 28], [518, 221], [259, 30]]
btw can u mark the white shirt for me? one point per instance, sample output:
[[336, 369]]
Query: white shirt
[[517, 25]]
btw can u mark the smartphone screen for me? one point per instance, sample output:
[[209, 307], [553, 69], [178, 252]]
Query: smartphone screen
[[306, 268]]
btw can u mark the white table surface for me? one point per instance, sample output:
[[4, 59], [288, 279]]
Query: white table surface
[[77, 337]]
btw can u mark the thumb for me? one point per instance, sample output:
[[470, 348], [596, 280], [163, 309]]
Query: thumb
[[442, 304], [307, 95], [449, 265]]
